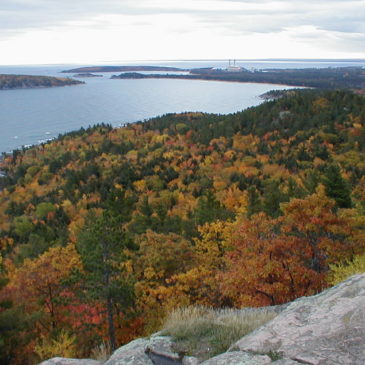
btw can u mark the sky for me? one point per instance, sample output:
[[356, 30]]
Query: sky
[[107, 31]]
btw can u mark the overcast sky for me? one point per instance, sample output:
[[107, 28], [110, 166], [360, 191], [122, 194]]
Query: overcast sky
[[96, 31]]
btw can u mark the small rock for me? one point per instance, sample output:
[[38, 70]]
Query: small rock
[[190, 360], [64, 361], [134, 352]]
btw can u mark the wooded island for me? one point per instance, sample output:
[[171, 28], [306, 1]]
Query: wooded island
[[8, 82]]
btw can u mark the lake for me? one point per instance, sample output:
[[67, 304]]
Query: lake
[[32, 116]]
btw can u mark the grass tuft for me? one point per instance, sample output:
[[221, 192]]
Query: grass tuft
[[101, 352], [205, 332]]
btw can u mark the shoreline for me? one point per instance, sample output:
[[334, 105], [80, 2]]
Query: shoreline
[[328, 78], [209, 80]]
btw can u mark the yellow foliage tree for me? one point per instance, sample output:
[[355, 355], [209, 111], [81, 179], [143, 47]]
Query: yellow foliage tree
[[63, 346]]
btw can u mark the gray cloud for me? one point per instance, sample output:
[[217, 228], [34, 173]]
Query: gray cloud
[[329, 15]]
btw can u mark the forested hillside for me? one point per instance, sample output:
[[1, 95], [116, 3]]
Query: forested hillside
[[104, 230]]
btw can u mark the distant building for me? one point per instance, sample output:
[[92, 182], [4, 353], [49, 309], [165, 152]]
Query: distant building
[[232, 67]]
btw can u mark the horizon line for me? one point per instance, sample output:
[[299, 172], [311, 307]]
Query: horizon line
[[193, 60]]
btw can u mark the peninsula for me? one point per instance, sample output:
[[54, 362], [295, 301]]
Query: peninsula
[[8, 82], [323, 78], [86, 74]]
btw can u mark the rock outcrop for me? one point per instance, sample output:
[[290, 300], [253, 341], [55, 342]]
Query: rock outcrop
[[325, 329], [135, 352], [328, 328], [238, 358]]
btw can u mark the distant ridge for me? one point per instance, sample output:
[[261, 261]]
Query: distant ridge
[[122, 69]]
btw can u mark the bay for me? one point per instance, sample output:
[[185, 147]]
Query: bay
[[32, 116]]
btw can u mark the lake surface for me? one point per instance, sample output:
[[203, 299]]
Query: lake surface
[[31, 116]]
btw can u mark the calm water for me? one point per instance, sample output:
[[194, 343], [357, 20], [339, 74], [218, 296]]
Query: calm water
[[31, 116]]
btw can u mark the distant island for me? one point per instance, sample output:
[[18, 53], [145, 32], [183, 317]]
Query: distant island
[[8, 82], [123, 69], [86, 74], [324, 78]]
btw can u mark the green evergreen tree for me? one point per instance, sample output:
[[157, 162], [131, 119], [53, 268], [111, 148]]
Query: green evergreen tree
[[102, 246], [272, 198], [254, 202], [337, 187], [13, 324], [209, 209]]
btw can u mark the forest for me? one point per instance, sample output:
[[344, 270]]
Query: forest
[[104, 230], [26, 81]]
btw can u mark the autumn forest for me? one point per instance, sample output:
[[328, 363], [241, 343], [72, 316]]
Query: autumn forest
[[105, 230]]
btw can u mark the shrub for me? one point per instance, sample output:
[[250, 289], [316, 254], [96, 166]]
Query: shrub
[[341, 272], [63, 346]]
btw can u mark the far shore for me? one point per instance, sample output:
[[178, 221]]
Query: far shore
[[328, 78]]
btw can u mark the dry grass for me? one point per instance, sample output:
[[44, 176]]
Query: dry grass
[[101, 352], [205, 332]]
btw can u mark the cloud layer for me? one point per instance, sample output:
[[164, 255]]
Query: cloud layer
[[335, 25]]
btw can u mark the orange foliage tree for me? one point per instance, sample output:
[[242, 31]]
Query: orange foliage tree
[[38, 290], [277, 260], [38, 284]]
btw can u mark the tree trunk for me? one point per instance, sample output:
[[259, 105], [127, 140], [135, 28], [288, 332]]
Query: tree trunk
[[109, 301], [111, 328]]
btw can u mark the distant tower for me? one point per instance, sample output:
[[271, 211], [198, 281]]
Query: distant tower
[[232, 67]]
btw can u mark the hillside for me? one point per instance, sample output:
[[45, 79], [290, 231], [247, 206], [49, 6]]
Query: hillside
[[26, 81], [104, 231]]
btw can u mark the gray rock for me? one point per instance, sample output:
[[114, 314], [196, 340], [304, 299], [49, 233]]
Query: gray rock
[[190, 360], [134, 352], [328, 328], [64, 361], [238, 358]]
